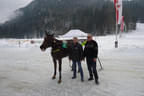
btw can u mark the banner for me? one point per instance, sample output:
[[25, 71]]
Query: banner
[[122, 24], [118, 7]]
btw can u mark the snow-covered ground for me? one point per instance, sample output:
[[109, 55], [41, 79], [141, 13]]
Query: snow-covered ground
[[26, 71]]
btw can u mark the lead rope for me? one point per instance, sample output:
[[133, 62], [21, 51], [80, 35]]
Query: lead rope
[[70, 64]]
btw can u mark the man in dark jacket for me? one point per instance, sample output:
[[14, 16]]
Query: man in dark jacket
[[76, 55], [91, 53]]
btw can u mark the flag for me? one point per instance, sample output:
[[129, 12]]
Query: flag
[[118, 7], [122, 24]]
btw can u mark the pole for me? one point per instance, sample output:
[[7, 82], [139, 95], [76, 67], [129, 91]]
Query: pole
[[19, 43], [100, 64], [116, 41]]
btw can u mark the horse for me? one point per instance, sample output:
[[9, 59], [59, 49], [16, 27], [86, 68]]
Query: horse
[[57, 52]]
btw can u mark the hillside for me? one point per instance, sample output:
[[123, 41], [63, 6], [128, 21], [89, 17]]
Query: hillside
[[59, 16]]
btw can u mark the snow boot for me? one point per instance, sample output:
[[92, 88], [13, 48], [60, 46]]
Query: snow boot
[[74, 77], [97, 82], [90, 79]]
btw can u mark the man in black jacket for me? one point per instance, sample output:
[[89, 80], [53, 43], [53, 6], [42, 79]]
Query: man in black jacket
[[76, 55], [91, 53]]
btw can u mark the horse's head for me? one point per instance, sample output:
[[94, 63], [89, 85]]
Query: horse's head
[[48, 40]]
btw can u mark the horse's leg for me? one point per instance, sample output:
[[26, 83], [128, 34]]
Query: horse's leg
[[60, 68], [55, 68]]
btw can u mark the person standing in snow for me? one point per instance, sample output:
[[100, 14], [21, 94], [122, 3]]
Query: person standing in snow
[[76, 55], [91, 54]]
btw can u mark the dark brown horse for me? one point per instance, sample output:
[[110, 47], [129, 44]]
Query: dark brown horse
[[57, 52]]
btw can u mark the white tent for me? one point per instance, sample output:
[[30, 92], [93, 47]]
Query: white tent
[[75, 33]]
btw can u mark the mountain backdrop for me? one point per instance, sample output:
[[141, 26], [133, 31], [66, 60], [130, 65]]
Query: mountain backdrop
[[59, 16]]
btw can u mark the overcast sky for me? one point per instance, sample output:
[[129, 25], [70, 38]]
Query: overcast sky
[[7, 7]]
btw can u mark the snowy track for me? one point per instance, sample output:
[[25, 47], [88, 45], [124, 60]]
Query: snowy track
[[27, 71]]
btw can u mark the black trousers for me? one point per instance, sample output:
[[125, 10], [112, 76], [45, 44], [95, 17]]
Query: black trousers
[[92, 68]]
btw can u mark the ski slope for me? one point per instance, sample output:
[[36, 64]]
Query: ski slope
[[26, 71]]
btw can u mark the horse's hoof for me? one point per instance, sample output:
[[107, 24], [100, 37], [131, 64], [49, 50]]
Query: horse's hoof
[[59, 81], [54, 77]]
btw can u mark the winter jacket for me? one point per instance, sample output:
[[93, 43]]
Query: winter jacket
[[91, 49], [76, 52]]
